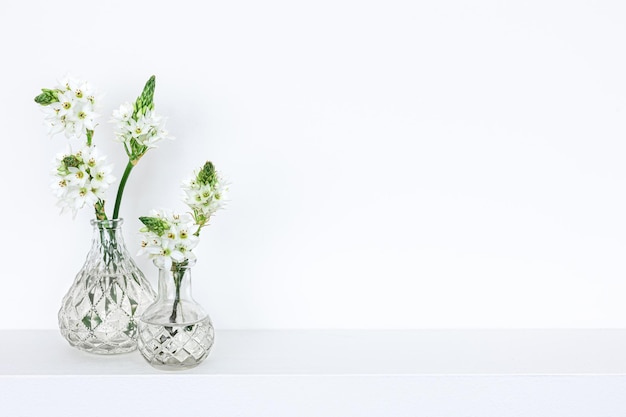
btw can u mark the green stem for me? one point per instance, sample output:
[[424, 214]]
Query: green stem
[[177, 282], [89, 137], [99, 207], [178, 273], [120, 190]]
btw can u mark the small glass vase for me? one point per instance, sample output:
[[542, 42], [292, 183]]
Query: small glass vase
[[175, 332], [98, 313]]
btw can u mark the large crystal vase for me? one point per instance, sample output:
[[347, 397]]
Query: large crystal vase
[[99, 312]]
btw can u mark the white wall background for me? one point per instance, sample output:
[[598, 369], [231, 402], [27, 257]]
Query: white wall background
[[394, 164]]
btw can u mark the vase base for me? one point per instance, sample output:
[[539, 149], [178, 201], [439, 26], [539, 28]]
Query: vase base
[[176, 347], [104, 351], [173, 367], [100, 347]]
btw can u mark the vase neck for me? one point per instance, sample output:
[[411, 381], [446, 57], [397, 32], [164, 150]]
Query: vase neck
[[175, 283], [108, 232], [175, 303], [108, 243]]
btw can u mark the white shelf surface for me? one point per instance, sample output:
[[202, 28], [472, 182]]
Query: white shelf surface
[[329, 372]]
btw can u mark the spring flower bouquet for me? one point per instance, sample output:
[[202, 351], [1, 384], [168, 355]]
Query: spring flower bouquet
[[82, 177], [98, 312], [175, 331]]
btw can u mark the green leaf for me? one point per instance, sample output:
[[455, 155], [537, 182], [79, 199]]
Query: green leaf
[[113, 293], [133, 306], [136, 278], [47, 97], [131, 329], [87, 322], [95, 318], [91, 320]]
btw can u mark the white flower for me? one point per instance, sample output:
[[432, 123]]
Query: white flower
[[123, 113], [168, 237], [184, 238], [74, 112], [66, 105], [85, 118], [147, 130], [80, 196], [100, 173], [102, 179], [80, 178], [80, 90], [204, 199]]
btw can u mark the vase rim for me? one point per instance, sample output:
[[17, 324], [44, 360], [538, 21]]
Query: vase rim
[[108, 223], [160, 264]]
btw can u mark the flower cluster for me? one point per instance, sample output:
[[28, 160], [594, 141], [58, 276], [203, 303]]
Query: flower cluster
[[169, 238], [147, 130], [81, 178], [204, 193], [69, 108], [138, 126]]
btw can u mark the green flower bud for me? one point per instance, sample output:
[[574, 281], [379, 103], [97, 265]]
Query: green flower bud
[[154, 224], [145, 101], [207, 175], [72, 161], [47, 97]]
